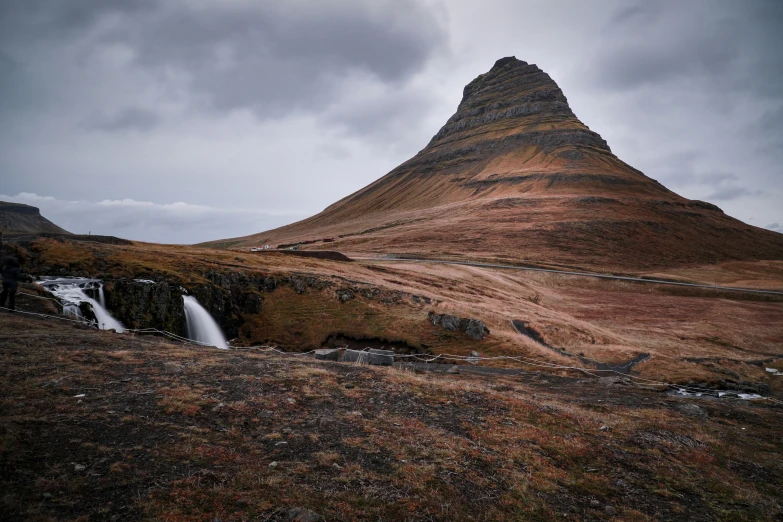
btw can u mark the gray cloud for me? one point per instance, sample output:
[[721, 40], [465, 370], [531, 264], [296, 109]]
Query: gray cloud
[[128, 119], [144, 220], [286, 107], [268, 57]]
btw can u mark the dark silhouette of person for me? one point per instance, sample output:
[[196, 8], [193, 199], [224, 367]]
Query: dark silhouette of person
[[11, 274]]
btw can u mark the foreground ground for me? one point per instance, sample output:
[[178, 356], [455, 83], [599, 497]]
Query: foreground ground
[[100, 426]]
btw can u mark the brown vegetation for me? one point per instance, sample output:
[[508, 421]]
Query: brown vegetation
[[112, 427]]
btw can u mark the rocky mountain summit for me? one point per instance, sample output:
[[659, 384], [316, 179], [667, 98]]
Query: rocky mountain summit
[[16, 218], [514, 175]]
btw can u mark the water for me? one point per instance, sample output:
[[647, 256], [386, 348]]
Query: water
[[682, 392], [72, 291], [201, 326]]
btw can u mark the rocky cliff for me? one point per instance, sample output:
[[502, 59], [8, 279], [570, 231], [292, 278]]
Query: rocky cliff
[[16, 218], [514, 175]]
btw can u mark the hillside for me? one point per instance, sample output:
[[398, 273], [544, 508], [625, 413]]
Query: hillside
[[136, 428], [515, 176], [16, 218]]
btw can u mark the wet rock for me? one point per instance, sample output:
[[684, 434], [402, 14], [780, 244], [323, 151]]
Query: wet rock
[[300, 514], [251, 304]]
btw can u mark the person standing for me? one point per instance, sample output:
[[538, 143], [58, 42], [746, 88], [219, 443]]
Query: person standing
[[11, 275]]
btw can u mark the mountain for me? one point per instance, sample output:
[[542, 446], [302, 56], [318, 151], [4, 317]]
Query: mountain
[[16, 218], [515, 176]]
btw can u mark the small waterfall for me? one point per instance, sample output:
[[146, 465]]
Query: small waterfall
[[73, 291], [201, 326]]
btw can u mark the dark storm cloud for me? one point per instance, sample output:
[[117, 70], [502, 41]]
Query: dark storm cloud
[[291, 105], [269, 57]]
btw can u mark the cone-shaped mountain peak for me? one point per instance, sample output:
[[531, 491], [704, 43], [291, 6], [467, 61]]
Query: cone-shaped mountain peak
[[514, 175]]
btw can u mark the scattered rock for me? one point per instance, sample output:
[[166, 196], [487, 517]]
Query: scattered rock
[[274, 464], [605, 428], [350, 386], [270, 284], [594, 503], [47, 495], [172, 367], [300, 514], [609, 510], [79, 467], [692, 410], [325, 421], [287, 431], [476, 329], [327, 354], [372, 356], [344, 295], [454, 369], [290, 400], [299, 285], [218, 407], [473, 328]]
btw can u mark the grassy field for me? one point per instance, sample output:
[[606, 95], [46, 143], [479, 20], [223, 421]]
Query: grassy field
[[101, 426]]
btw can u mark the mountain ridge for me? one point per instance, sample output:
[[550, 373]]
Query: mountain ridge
[[515, 175]]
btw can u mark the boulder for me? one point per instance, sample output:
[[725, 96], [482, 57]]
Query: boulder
[[327, 354], [372, 356], [473, 328]]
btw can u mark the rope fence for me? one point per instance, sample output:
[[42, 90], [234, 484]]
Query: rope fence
[[526, 361]]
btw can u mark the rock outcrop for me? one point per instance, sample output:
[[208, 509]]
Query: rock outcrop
[[146, 304], [16, 218], [473, 328]]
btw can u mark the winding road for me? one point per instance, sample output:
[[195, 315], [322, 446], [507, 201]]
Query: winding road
[[567, 272]]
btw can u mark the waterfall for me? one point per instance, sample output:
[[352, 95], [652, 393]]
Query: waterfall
[[72, 291], [201, 326]]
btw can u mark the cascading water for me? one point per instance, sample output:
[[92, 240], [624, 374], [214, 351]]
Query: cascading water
[[201, 326], [73, 291]]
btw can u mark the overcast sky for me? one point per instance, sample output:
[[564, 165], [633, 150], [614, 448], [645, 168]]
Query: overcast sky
[[189, 120]]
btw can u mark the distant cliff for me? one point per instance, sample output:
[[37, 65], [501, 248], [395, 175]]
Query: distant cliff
[[16, 218]]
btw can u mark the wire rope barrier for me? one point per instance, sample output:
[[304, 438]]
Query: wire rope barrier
[[527, 361]]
